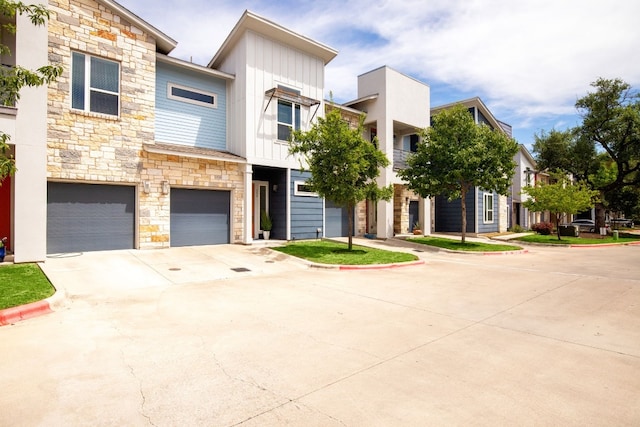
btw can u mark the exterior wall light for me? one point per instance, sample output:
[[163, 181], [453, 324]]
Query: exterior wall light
[[165, 187]]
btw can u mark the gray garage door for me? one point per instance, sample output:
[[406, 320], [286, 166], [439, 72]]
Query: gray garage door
[[335, 220], [89, 217], [199, 217]]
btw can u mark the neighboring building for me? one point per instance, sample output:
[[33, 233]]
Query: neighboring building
[[396, 107], [487, 211], [526, 174]]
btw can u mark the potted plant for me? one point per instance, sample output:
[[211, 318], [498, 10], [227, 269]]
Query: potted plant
[[265, 224], [3, 248], [417, 230]]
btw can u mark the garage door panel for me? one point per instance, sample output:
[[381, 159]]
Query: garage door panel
[[89, 217], [199, 217]]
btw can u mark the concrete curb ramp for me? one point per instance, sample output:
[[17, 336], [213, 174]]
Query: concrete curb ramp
[[11, 315]]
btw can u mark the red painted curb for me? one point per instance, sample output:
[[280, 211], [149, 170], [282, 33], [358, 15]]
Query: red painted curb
[[22, 312], [379, 266]]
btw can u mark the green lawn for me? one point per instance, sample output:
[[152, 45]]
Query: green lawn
[[553, 239], [21, 284], [335, 253], [457, 245]]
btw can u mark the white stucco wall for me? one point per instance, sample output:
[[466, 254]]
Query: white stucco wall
[[30, 181], [402, 103]]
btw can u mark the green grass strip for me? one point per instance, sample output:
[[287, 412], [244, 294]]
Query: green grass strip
[[336, 253], [553, 240], [22, 284], [457, 245]]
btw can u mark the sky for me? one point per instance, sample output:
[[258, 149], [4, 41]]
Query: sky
[[528, 60]]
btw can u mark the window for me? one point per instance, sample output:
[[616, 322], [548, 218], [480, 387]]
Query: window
[[488, 207], [192, 96], [300, 188], [95, 84], [288, 119]]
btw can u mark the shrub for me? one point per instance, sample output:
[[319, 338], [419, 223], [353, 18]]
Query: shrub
[[517, 228], [544, 228]]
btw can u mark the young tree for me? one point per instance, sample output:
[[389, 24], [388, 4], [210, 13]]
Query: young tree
[[343, 165], [14, 78], [560, 197], [456, 155]]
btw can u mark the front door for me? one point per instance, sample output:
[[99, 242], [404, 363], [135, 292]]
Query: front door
[[372, 217], [260, 203]]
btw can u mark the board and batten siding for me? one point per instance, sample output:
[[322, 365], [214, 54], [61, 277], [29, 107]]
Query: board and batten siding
[[269, 64], [185, 123], [306, 211]]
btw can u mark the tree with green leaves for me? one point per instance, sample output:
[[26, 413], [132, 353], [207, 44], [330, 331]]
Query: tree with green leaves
[[560, 197], [13, 78], [604, 151], [343, 165], [456, 155]]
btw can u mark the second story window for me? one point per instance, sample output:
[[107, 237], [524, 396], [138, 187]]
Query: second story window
[[288, 119], [95, 84], [192, 96]]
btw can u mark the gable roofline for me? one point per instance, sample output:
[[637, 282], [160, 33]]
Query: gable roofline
[[193, 67], [473, 102], [250, 21], [164, 43], [528, 155]]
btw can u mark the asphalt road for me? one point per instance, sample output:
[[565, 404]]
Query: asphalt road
[[178, 338]]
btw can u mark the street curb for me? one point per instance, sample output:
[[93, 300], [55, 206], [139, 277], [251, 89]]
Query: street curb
[[381, 266], [12, 315]]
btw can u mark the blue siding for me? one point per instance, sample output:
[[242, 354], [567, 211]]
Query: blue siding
[[306, 211], [184, 123], [489, 227], [448, 214]]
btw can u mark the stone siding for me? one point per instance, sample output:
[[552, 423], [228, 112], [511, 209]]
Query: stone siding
[[185, 172], [401, 194], [98, 148], [94, 147]]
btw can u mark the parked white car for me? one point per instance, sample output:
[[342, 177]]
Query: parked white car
[[588, 225]]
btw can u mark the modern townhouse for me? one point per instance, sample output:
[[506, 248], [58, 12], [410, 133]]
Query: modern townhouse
[[396, 107], [278, 87], [487, 211]]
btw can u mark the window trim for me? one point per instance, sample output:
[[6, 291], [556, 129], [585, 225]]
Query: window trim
[[296, 118], [87, 85], [170, 95], [296, 110], [302, 193], [488, 208]]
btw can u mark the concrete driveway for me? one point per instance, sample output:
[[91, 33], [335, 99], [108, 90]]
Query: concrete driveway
[[177, 338]]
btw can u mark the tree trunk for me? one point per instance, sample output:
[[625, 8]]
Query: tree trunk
[[557, 217], [350, 214], [600, 213], [463, 204]]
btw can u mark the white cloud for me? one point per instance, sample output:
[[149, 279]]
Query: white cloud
[[529, 59]]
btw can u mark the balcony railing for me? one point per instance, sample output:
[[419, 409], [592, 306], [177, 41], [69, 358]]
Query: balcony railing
[[400, 158]]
